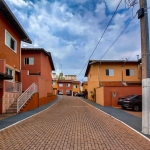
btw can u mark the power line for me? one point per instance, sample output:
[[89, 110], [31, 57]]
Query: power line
[[101, 36], [117, 38]]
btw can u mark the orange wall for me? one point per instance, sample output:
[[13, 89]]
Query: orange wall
[[46, 69], [35, 102], [109, 100], [41, 63], [2, 65], [100, 96], [85, 87], [32, 103], [37, 61], [55, 85], [10, 56], [27, 80], [97, 73], [44, 86], [76, 89], [45, 100]]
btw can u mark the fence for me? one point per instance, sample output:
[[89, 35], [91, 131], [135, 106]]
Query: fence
[[11, 86]]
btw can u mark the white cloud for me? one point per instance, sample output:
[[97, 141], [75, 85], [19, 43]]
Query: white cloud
[[71, 37], [18, 3]]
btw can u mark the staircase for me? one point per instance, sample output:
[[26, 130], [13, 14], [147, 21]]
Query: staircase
[[12, 109], [23, 99]]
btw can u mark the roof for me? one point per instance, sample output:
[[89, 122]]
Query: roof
[[111, 83], [13, 21], [64, 81], [85, 82], [120, 83], [41, 50], [5, 76], [76, 82], [92, 62]]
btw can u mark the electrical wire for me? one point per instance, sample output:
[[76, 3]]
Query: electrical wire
[[101, 36], [117, 37]]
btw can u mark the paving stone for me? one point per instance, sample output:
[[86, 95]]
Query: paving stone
[[74, 125]]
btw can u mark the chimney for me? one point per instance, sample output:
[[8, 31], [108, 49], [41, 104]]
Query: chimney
[[137, 57]]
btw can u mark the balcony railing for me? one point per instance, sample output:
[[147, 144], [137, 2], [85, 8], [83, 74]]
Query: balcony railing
[[11, 86]]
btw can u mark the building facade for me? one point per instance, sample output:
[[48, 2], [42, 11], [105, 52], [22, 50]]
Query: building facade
[[112, 73], [11, 35], [37, 66]]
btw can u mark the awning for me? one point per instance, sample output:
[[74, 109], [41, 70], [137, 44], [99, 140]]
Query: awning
[[5, 76]]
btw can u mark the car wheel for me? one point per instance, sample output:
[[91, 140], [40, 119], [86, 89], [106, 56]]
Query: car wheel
[[136, 108], [123, 107]]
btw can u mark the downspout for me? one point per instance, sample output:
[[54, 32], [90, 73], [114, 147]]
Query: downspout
[[123, 69], [99, 74]]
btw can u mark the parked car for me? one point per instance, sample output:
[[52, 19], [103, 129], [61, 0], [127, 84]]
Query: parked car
[[80, 94], [69, 93], [131, 101], [60, 93]]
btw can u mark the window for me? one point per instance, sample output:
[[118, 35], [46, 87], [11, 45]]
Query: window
[[109, 72], [10, 41], [60, 85], [75, 86], [29, 61], [9, 71], [68, 84], [129, 72], [53, 82]]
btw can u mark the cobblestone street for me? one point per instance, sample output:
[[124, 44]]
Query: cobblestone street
[[71, 124]]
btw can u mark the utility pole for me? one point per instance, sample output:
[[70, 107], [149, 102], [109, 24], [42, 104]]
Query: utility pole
[[145, 53]]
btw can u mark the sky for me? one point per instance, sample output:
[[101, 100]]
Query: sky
[[71, 29]]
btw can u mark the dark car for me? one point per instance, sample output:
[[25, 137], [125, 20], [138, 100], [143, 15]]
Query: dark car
[[131, 101], [69, 93], [80, 94]]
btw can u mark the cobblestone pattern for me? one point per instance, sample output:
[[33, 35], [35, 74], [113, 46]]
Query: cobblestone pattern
[[71, 124]]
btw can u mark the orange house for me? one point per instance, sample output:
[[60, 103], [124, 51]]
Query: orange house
[[37, 66], [84, 85], [106, 76], [76, 87], [11, 35]]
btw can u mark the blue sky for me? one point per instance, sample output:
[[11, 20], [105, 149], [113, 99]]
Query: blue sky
[[70, 30]]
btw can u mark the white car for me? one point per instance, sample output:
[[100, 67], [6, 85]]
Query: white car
[[60, 93]]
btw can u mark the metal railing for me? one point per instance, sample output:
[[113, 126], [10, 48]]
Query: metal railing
[[11, 86], [26, 95]]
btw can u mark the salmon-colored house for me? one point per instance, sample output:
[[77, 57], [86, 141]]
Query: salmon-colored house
[[110, 79], [37, 66], [64, 86], [11, 35]]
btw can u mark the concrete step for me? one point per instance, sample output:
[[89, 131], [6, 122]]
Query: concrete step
[[11, 111]]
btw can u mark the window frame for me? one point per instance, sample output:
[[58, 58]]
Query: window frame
[[25, 60], [68, 84], [60, 84], [12, 71], [109, 72], [11, 37], [133, 73], [53, 82], [75, 86]]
